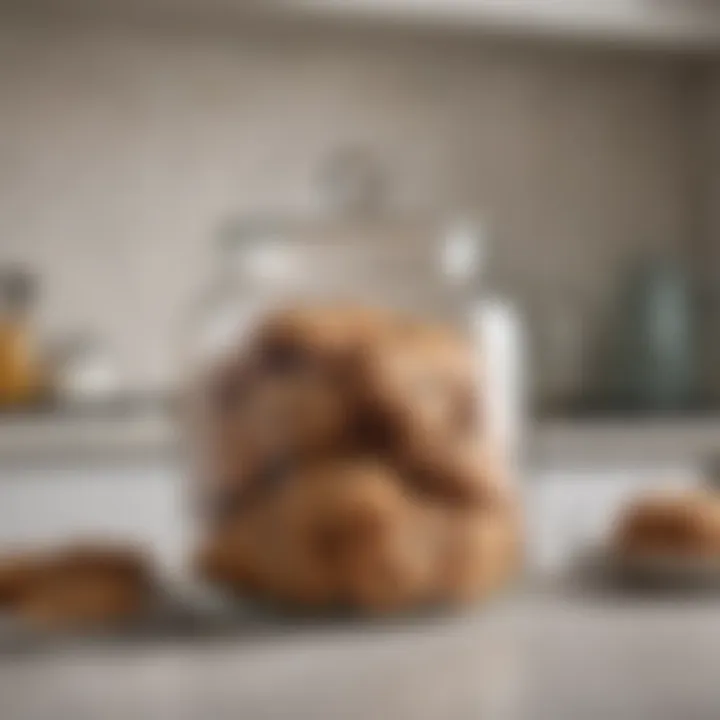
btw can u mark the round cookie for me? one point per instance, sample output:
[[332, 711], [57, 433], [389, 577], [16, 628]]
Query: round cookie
[[343, 532], [87, 600], [82, 585], [686, 523], [260, 552], [461, 470], [419, 380], [238, 554], [262, 422], [282, 397], [420, 396], [18, 575], [99, 559], [326, 335], [399, 568], [481, 552], [356, 519]]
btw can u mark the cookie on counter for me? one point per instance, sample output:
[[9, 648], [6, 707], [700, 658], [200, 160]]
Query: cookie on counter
[[674, 524], [80, 586], [19, 572]]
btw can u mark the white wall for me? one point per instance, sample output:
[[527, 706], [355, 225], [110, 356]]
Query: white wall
[[122, 148]]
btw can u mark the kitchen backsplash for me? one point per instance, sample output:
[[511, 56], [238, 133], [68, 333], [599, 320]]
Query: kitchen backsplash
[[712, 217], [123, 148]]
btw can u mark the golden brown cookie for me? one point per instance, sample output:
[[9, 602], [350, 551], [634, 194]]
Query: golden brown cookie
[[482, 551], [461, 470], [680, 523], [83, 585], [272, 421], [327, 335], [256, 554], [420, 395], [397, 569], [352, 519], [380, 491], [419, 381], [18, 575], [99, 558], [283, 397], [329, 535], [83, 601], [349, 532]]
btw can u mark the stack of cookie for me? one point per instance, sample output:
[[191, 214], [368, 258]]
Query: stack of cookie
[[345, 463]]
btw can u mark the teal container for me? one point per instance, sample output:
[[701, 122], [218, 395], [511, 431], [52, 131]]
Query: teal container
[[656, 350]]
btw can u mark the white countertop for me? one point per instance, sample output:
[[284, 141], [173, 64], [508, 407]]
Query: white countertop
[[533, 657], [619, 441], [25, 437]]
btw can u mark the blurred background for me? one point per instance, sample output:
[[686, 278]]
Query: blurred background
[[579, 143]]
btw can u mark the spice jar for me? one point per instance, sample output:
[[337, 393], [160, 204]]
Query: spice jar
[[21, 377]]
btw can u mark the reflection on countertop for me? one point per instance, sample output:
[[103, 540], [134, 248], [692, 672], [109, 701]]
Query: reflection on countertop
[[543, 655]]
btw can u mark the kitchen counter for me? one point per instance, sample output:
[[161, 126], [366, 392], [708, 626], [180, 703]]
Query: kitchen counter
[[140, 431], [537, 656], [618, 441], [151, 430]]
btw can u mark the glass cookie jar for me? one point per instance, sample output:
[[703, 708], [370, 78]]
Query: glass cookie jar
[[342, 400]]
